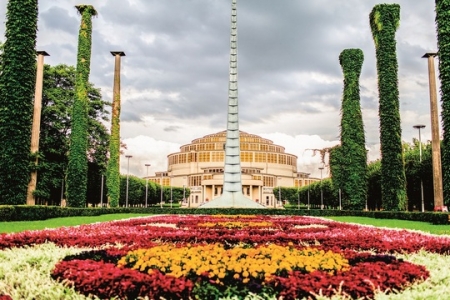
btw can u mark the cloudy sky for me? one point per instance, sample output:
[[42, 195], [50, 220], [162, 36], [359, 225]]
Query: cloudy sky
[[175, 72]]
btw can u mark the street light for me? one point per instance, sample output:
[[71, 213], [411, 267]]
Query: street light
[[309, 183], [128, 175], [160, 203], [184, 191], [420, 126], [321, 190], [279, 193], [101, 192], [146, 185], [171, 198]]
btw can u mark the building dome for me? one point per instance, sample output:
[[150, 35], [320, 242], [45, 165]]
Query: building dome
[[200, 166]]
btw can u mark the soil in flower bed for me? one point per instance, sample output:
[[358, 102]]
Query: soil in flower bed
[[207, 257]]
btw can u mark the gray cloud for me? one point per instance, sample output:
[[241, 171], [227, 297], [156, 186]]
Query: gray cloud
[[288, 61]]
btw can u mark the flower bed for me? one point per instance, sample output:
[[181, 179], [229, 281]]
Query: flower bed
[[207, 257]]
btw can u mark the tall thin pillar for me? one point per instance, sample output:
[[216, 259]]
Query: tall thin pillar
[[113, 168], [35, 129], [435, 141], [232, 183]]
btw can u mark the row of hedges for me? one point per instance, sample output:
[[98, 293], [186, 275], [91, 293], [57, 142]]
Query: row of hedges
[[30, 213]]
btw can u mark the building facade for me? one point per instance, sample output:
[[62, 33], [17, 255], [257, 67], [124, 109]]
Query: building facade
[[199, 166]]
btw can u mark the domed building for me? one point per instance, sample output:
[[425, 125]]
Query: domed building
[[199, 166]]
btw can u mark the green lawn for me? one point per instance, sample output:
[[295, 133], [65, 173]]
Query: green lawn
[[59, 222], [423, 226], [72, 221]]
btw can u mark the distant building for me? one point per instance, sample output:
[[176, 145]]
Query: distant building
[[199, 167]]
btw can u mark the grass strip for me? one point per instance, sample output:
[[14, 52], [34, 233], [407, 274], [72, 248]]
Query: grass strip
[[399, 224], [9, 227]]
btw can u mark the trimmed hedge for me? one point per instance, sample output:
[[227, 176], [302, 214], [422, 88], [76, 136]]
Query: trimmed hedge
[[32, 213]]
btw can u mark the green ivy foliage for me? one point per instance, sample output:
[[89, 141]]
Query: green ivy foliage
[[78, 162], [384, 20], [17, 85], [443, 39], [352, 154]]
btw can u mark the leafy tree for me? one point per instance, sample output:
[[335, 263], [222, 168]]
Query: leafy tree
[[58, 99], [78, 162], [353, 153], [17, 83], [136, 192], [337, 172], [443, 38], [315, 190], [416, 172], [384, 21], [374, 185]]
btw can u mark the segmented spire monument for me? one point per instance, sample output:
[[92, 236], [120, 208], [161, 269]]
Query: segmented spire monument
[[232, 184]]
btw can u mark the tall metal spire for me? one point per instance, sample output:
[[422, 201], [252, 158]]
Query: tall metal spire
[[232, 184]]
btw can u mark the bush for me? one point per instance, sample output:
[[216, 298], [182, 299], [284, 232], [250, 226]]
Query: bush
[[31, 213]]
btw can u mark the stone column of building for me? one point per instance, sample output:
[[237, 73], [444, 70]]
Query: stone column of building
[[232, 183], [435, 141], [35, 129]]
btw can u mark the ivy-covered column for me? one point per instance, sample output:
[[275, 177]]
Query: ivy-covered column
[[113, 171], [353, 150], [78, 164], [443, 38], [17, 82], [384, 21]]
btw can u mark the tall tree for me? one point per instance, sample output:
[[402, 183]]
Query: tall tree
[[78, 162], [384, 21], [353, 149], [57, 101], [443, 38], [17, 81]]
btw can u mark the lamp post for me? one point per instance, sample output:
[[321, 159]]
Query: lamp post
[[298, 195], [101, 192], [62, 193], [171, 198], [309, 182], [160, 203], [128, 175], [184, 192], [279, 192], [340, 199], [321, 190], [419, 127], [146, 186]]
